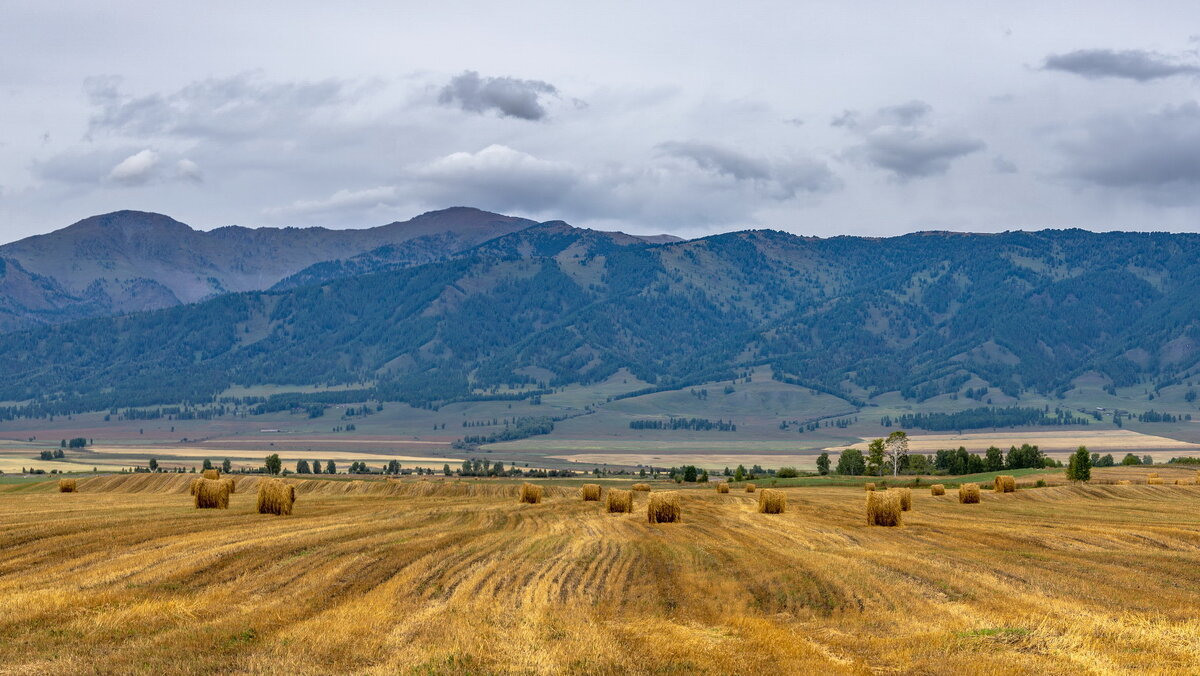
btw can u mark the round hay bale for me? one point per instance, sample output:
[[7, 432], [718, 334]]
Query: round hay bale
[[772, 501], [749, 488], [276, 497], [66, 485], [590, 492], [194, 486], [1124, 482], [618, 501], [210, 494], [1180, 482], [1152, 475], [723, 487], [937, 489], [869, 486], [663, 507], [883, 508], [1004, 483], [212, 474], [905, 495], [641, 487], [531, 493], [1154, 481], [968, 494]]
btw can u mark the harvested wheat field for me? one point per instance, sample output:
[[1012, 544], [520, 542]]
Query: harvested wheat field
[[448, 577]]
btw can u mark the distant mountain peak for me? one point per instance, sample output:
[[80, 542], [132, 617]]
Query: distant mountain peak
[[129, 220]]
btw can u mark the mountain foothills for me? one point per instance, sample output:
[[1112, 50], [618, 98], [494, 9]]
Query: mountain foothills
[[130, 261], [550, 304]]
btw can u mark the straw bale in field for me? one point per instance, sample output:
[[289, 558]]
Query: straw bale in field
[[212, 474], [663, 507], [905, 498], [772, 501], [640, 487], [66, 485], [883, 508], [723, 487], [619, 500], [868, 486], [1004, 483], [968, 494], [937, 489], [531, 493], [590, 492], [210, 494], [275, 497], [749, 488]]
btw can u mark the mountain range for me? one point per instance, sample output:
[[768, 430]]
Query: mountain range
[[130, 261], [547, 304]]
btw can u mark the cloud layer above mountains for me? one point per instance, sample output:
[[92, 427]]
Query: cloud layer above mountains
[[670, 117]]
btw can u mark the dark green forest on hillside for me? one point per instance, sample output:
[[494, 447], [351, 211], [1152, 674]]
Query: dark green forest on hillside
[[920, 314]]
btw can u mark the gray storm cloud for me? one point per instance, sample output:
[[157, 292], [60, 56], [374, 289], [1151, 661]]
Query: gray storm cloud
[[1131, 64], [510, 97], [239, 106], [1156, 154], [782, 179], [901, 140]]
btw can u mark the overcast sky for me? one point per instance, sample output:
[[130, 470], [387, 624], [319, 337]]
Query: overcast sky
[[681, 117]]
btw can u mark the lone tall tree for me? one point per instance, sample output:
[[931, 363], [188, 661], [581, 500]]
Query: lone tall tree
[[875, 457], [896, 448], [274, 464], [823, 463], [1080, 466]]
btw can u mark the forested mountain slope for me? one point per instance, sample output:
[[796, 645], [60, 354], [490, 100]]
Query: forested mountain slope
[[855, 316]]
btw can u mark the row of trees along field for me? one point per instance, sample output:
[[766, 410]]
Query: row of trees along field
[[891, 456], [985, 417], [695, 424]]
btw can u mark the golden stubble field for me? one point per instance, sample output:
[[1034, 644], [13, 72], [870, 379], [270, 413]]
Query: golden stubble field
[[432, 577]]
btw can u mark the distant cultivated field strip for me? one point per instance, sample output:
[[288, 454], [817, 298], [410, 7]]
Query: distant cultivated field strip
[[257, 453], [707, 460], [285, 439], [457, 577], [1103, 441], [718, 445]]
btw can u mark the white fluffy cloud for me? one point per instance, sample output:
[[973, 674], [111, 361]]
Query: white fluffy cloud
[[362, 201], [136, 169]]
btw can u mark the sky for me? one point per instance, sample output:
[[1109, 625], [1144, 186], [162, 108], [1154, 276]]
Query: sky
[[687, 118]]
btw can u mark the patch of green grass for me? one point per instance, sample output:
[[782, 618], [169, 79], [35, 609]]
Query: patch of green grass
[[245, 636]]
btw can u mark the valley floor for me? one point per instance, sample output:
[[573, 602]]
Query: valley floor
[[447, 577]]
